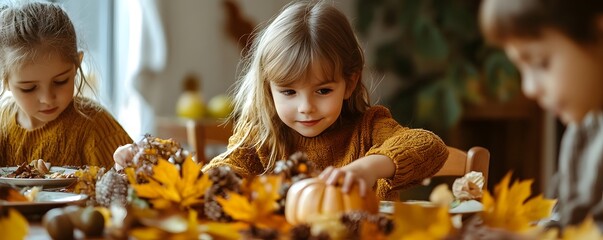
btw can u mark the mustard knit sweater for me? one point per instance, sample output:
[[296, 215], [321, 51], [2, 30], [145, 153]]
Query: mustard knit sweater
[[417, 153], [70, 139]]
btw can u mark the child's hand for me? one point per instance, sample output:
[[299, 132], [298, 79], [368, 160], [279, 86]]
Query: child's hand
[[122, 156], [347, 178], [364, 171]]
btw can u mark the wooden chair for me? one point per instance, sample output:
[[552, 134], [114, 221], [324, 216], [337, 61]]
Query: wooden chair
[[194, 134], [202, 133], [460, 162]]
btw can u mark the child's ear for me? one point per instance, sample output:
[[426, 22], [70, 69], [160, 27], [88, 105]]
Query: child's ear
[[80, 56], [351, 84]]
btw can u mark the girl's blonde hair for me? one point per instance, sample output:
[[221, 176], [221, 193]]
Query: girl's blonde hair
[[31, 30], [283, 52], [501, 20]]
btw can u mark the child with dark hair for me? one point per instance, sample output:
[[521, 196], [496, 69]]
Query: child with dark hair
[[558, 47]]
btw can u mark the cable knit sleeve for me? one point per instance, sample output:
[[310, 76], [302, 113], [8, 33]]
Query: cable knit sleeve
[[243, 160], [417, 153], [107, 135]]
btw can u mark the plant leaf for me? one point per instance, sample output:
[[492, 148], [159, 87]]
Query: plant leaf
[[428, 40], [509, 210], [586, 230], [414, 220], [167, 187], [13, 225]]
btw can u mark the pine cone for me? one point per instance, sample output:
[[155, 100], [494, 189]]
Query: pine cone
[[300, 232], [150, 149], [112, 188], [259, 233], [294, 169], [352, 221], [224, 179], [384, 224], [297, 165]]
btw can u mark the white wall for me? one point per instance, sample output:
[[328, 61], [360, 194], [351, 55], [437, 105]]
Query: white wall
[[197, 44]]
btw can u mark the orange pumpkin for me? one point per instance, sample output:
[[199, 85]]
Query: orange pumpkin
[[313, 196]]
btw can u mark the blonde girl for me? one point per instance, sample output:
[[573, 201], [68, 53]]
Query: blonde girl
[[302, 91], [558, 47], [45, 117]]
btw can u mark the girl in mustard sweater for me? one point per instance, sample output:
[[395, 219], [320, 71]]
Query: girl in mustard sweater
[[40, 66], [302, 91]]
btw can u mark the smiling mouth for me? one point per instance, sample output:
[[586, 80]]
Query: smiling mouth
[[309, 123], [49, 111]]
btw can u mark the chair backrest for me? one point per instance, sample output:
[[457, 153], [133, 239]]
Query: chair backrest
[[201, 133], [460, 162], [195, 135]]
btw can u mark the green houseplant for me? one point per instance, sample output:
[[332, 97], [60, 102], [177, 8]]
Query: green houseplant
[[439, 55]]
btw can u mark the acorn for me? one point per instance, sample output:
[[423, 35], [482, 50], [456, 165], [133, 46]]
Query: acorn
[[91, 222], [74, 212], [57, 224]]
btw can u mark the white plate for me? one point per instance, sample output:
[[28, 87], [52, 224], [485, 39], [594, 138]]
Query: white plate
[[28, 182], [464, 207], [45, 201]]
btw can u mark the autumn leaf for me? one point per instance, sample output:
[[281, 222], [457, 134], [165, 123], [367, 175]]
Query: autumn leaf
[[413, 221], [510, 208], [259, 207], [586, 230], [12, 224], [170, 186], [369, 230], [86, 181], [220, 230], [176, 225]]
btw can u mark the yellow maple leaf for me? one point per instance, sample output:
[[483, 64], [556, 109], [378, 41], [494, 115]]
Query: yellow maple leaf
[[413, 221], [259, 207], [175, 226], [220, 230], [12, 224], [170, 186], [510, 208], [586, 230]]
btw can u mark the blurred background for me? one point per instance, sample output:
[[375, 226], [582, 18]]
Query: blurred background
[[427, 62]]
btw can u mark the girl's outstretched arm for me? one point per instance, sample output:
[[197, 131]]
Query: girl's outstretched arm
[[365, 171]]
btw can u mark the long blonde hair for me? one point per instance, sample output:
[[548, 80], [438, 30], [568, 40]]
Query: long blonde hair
[[283, 52], [29, 29]]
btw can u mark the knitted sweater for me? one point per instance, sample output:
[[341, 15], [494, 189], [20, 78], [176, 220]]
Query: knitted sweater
[[578, 183], [417, 153], [70, 139]]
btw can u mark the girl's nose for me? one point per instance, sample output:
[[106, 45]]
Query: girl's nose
[[47, 96], [306, 105]]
